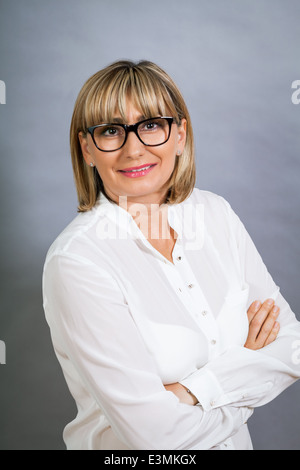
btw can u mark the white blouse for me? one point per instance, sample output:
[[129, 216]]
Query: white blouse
[[125, 321]]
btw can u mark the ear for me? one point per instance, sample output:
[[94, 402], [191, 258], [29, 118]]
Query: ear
[[85, 148], [181, 135]]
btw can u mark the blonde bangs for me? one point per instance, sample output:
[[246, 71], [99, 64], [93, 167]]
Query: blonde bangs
[[104, 101]]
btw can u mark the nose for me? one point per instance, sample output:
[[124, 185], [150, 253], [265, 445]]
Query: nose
[[133, 146]]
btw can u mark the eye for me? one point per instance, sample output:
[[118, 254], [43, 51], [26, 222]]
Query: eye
[[109, 131], [151, 125]]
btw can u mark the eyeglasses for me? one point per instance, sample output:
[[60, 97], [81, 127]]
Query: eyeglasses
[[151, 132]]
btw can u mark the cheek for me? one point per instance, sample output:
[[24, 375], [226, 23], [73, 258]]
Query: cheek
[[167, 155], [169, 161], [105, 166]]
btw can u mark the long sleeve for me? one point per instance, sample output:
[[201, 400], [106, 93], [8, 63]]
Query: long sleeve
[[242, 377], [91, 327]]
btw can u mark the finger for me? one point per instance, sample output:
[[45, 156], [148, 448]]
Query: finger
[[267, 327], [257, 323], [258, 319], [253, 309], [273, 335]]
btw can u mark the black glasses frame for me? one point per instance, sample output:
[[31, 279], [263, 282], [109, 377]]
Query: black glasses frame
[[132, 128]]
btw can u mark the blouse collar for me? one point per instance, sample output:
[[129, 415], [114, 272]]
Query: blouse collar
[[125, 222]]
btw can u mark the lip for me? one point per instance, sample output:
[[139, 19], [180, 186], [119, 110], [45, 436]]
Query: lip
[[137, 167], [136, 174]]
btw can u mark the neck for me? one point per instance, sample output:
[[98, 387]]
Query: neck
[[150, 217]]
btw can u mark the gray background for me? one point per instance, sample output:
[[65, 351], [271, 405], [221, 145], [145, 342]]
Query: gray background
[[234, 62]]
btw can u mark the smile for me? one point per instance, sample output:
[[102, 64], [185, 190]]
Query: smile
[[136, 172]]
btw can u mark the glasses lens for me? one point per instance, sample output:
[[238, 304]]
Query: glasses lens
[[109, 137], [154, 131]]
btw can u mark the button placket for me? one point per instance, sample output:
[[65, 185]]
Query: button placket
[[178, 259], [173, 273], [190, 293]]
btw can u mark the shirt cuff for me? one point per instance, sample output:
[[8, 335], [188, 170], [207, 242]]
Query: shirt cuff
[[205, 386]]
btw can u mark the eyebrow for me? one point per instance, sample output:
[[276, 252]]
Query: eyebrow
[[118, 120]]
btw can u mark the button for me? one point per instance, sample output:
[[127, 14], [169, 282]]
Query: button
[[212, 403], [204, 313], [178, 258], [213, 342], [190, 286], [180, 290]]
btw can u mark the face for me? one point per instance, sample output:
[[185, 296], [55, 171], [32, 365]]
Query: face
[[147, 187]]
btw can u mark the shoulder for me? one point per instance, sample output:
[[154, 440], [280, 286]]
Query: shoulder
[[73, 235], [76, 255], [209, 200], [213, 209], [219, 217]]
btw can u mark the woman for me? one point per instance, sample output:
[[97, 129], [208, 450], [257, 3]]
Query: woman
[[146, 291]]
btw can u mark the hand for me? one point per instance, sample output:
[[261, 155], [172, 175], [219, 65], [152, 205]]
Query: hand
[[263, 330], [182, 393], [263, 327]]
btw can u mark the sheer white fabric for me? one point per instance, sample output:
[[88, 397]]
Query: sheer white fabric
[[125, 321]]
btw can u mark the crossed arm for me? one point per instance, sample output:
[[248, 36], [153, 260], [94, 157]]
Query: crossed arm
[[126, 385], [263, 330]]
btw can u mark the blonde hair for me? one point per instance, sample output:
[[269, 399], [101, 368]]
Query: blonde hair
[[154, 93]]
